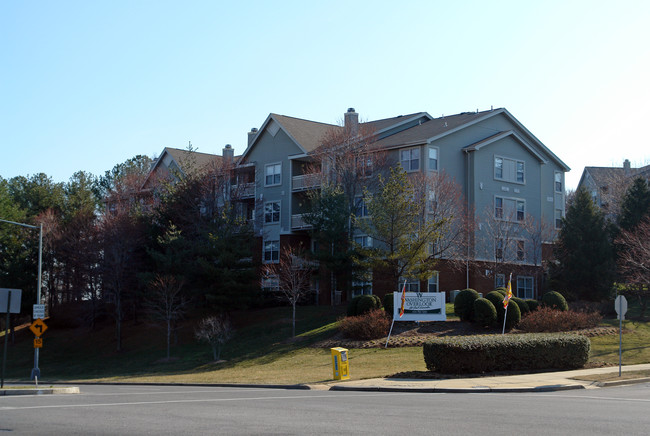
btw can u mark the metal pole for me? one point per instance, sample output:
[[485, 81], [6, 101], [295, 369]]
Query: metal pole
[[620, 335], [4, 354]]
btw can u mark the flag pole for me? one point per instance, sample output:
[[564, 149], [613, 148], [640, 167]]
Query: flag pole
[[505, 315], [506, 301], [401, 312]]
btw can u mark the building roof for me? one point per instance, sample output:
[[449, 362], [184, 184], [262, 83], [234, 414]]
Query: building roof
[[307, 134], [603, 176]]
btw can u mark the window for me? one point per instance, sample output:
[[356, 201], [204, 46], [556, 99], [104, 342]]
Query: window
[[363, 240], [500, 281], [509, 209], [361, 210], [509, 170], [362, 287], [412, 285], [558, 182], [272, 212], [273, 174], [433, 159], [271, 251], [364, 166], [524, 287], [433, 282], [558, 218], [410, 159], [432, 202], [499, 247], [521, 250]]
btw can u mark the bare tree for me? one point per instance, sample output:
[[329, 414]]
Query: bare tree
[[293, 275], [166, 304], [633, 261], [502, 240], [539, 233], [215, 330]]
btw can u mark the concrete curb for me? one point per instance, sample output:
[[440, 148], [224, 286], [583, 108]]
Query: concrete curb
[[630, 381], [474, 390], [39, 391], [206, 385]]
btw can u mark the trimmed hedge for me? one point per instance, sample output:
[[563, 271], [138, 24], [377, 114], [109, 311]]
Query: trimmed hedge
[[502, 291], [485, 313], [367, 303], [533, 305], [523, 306], [464, 304], [352, 306], [555, 300], [496, 298], [486, 353]]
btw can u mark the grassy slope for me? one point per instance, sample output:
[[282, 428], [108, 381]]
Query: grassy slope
[[260, 352]]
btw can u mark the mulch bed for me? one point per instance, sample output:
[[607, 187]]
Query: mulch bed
[[410, 334]]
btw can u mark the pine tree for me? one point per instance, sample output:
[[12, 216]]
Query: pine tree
[[636, 204], [584, 251]]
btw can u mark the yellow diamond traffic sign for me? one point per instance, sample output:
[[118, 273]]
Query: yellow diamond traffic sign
[[38, 327]]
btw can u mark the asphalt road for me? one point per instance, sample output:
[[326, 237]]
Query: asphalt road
[[178, 410]]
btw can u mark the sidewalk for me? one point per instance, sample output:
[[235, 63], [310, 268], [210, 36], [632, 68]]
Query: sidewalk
[[539, 382]]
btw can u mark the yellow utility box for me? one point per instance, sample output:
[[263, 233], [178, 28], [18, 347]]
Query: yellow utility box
[[340, 366]]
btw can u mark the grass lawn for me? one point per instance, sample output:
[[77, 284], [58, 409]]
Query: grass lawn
[[261, 351]]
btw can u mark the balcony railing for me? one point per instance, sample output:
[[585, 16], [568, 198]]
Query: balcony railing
[[245, 190], [298, 222], [306, 181]]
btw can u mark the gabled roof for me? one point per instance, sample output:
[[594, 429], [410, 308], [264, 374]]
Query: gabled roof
[[501, 135], [379, 126], [603, 176], [184, 160]]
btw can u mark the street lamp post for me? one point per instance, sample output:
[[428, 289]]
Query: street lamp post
[[36, 373]]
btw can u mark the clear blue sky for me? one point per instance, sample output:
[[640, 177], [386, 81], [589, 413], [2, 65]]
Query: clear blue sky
[[85, 85]]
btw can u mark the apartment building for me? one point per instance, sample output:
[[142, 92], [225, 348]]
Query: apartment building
[[510, 182]]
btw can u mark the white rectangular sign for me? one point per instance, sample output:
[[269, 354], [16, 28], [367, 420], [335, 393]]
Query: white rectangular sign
[[420, 306], [39, 311], [16, 295]]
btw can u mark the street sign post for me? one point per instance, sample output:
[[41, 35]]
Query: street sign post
[[9, 303], [620, 305], [38, 327]]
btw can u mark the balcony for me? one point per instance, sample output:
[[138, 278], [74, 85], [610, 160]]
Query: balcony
[[244, 191], [298, 222], [306, 182]]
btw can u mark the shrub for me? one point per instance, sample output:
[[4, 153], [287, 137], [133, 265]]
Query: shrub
[[546, 319], [476, 354], [367, 303], [388, 304], [371, 325], [485, 313], [464, 304], [352, 306], [513, 316], [555, 300], [502, 291], [495, 298], [532, 305], [523, 306]]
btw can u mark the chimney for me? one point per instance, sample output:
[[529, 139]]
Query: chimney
[[251, 135], [228, 153], [351, 121], [626, 167]]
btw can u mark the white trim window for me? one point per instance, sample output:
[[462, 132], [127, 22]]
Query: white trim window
[[433, 159], [559, 214], [364, 241], [364, 166], [362, 287], [521, 250], [271, 283], [360, 208], [272, 212], [558, 186], [524, 287], [509, 170], [500, 281], [272, 174], [412, 285], [509, 209], [410, 159], [271, 251], [499, 249], [433, 282]]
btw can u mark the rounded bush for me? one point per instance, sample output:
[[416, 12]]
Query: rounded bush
[[485, 314], [555, 300], [352, 306], [377, 301], [513, 315], [496, 299], [523, 306], [532, 305], [371, 325], [388, 304], [367, 303], [464, 304], [502, 291]]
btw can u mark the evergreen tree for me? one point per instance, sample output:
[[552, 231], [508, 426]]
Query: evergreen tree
[[636, 204], [585, 254]]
